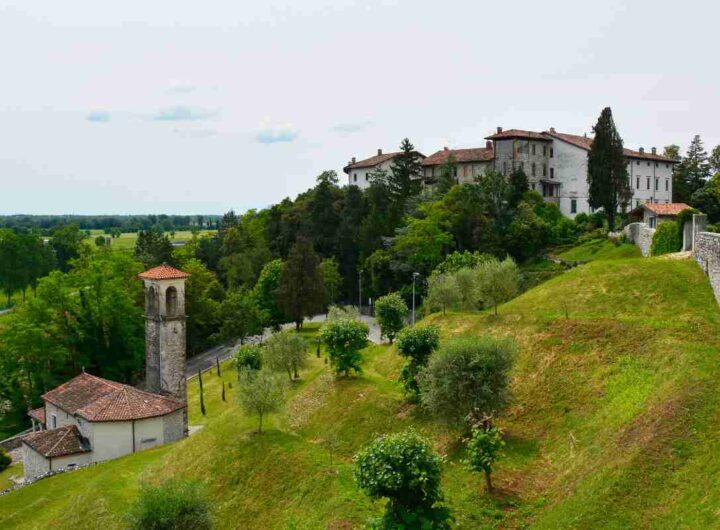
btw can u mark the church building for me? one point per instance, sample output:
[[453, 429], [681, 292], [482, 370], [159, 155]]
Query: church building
[[90, 419]]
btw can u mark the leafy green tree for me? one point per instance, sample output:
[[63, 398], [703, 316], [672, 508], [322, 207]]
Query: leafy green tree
[[344, 340], [11, 274], [707, 199], [518, 186], [172, 505], [672, 151], [285, 351], [467, 282], [443, 292], [203, 301], [527, 234], [349, 245], [483, 449], [467, 376], [448, 175], [666, 239], [497, 281], [100, 241], [301, 292], [249, 356], [496, 192], [66, 241], [36, 259], [416, 344], [266, 293], [324, 215], [391, 311], [455, 261], [239, 317], [692, 172], [153, 248], [260, 392], [421, 244], [609, 187], [330, 273], [406, 470], [714, 160]]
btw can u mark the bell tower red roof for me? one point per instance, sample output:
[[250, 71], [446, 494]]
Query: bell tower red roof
[[163, 272]]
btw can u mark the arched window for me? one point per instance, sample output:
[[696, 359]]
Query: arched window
[[151, 301], [171, 301]]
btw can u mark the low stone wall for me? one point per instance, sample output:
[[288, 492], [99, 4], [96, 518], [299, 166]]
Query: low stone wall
[[707, 254], [641, 235]]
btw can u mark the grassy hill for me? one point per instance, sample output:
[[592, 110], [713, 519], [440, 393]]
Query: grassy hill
[[615, 423]]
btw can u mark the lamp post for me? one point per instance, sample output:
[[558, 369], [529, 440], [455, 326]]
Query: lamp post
[[360, 291], [415, 275]]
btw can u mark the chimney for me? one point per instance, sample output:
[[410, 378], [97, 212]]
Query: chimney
[[654, 150], [499, 130], [379, 152], [488, 145], [552, 130], [445, 148], [353, 160], [642, 150]]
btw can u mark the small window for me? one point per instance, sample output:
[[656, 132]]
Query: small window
[[544, 170], [533, 169], [505, 168], [648, 183], [667, 184], [544, 150], [533, 148], [573, 206], [552, 172], [657, 184], [552, 152], [656, 164], [171, 301], [667, 166], [648, 164], [637, 162], [355, 177], [637, 183], [53, 421]]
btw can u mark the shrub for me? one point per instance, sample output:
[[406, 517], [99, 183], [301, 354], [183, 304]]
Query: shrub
[[461, 260], [468, 286], [172, 505], [682, 218], [406, 470], [483, 450], [666, 239], [497, 281], [467, 376], [5, 460], [345, 339], [249, 356], [443, 292], [347, 312], [391, 311], [260, 392], [285, 351], [416, 344]]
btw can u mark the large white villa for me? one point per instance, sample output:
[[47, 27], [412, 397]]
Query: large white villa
[[90, 419], [555, 163]]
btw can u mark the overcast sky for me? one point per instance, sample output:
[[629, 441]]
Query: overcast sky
[[199, 107]]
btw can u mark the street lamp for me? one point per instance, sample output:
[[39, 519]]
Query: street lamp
[[415, 275], [360, 291]]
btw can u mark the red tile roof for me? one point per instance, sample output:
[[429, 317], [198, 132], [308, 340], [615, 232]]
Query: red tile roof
[[62, 441], [476, 154], [38, 414], [163, 272], [97, 399], [375, 160], [584, 142], [518, 133], [673, 208]]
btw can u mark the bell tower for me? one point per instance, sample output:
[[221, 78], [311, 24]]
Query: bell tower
[[165, 349]]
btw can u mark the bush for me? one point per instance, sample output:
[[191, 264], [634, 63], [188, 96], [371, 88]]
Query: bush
[[5, 460], [483, 450], [390, 311], [172, 505], [406, 470], [455, 261], [467, 376], [666, 239], [347, 312], [345, 339], [249, 356], [416, 344], [497, 282], [682, 218]]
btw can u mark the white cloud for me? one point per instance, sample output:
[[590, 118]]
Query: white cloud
[[270, 134], [100, 116], [184, 113], [180, 87]]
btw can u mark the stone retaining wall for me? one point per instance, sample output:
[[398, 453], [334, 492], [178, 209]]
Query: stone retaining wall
[[707, 255], [641, 235]]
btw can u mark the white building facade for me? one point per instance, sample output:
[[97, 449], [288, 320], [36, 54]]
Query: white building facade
[[358, 171]]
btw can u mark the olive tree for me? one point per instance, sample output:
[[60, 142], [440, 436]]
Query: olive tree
[[391, 311], [406, 470], [416, 344], [260, 392], [467, 376], [285, 351], [344, 340], [443, 292], [497, 281], [483, 449]]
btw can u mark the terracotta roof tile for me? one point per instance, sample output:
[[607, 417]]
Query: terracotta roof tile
[[38, 414], [375, 160], [97, 399], [477, 154], [518, 133], [62, 441], [673, 208], [163, 272], [585, 142]]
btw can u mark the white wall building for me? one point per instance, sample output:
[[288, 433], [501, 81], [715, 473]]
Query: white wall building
[[469, 163], [358, 171]]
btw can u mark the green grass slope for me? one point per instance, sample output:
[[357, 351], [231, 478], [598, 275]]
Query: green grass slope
[[599, 249], [615, 423]]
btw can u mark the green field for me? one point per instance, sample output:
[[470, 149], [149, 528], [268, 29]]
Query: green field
[[16, 471], [599, 249], [126, 240], [614, 423]]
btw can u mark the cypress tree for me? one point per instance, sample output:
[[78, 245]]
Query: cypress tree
[[608, 183], [404, 173]]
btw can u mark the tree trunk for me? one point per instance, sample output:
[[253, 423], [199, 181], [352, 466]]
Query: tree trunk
[[260, 426], [488, 482], [611, 220], [495, 309], [298, 325]]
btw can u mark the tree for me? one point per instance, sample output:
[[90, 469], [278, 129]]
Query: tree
[[672, 151], [239, 317], [66, 241], [609, 187], [153, 248], [344, 340], [714, 160], [100, 241], [405, 469], [260, 392], [497, 281], [466, 376], [691, 174], [416, 344], [203, 306], [495, 191], [483, 450], [404, 174], [285, 351], [421, 244], [330, 273], [349, 239], [323, 211], [5, 460], [666, 239], [266, 294], [249, 357], [707, 199], [391, 311], [448, 175], [518, 186], [467, 282], [172, 505], [11, 274], [301, 291], [443, 292]]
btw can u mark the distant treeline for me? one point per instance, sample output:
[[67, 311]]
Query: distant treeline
[[126, 223]]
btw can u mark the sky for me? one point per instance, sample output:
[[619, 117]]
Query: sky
[[186, 107]]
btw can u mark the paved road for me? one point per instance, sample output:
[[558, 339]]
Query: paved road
[[207, 359]]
